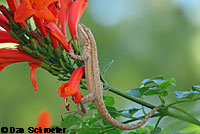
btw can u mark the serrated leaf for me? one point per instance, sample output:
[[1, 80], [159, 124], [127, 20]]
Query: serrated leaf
[[145, 81], [91, 120], [152, 91], [185, 94], [196, 88], [129, 112], [143, 90], [134, 92], [69, 121], [164, 93], [109, 100], [158, 82], [112, 111], [167, 83], [106, 67]]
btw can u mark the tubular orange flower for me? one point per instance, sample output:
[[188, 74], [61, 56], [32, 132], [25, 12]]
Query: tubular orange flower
[[13, 5], [38, 8], [5, 37], [40, 24], [9, 56], [44, 120], [76, 10], [53, 30], [71, 88], [63, 14]]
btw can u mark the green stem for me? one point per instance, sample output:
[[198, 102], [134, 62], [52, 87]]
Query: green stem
[[188, 114], [158, 121], [178, 102], [146, 104]]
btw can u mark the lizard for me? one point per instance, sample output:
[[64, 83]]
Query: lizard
[[94, 84]]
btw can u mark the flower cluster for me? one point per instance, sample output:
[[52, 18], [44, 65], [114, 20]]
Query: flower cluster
[[38, 28]]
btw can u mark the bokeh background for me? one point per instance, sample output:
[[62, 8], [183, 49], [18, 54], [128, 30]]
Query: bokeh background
[[144, 38]]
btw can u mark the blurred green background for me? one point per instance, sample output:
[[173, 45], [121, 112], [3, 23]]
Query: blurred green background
[[144, 38]]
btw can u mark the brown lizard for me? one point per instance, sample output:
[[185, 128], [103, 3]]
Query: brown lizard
[[94, 85]]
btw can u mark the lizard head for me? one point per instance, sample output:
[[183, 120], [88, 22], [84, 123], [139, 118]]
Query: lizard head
[[84, 34]]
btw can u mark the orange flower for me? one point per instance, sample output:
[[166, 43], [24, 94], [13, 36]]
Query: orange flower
[[63, 14], [38, 8], [71, 88], [13, 5], [44, 120], [10, 56], [54, 31], [75, 13]]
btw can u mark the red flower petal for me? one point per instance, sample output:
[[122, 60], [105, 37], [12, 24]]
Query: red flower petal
[[3, 23], [63, 14], [33, 75], [5, 37], [9, 56], [24, 11], [52, 29], [40, 25], [44, 120], [75, 13], [77, 97], [45, 14], [13, 5], [71, 88]]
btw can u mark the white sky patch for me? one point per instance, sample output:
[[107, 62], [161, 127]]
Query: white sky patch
[[8, 45], [110, 12]]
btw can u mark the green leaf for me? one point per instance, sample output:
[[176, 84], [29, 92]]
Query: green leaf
[[193, 129], [152, 91], [106, 67], [156, 131], [134, 92], [69, 121], [115, 131], [164, 93], [129, 112], [149, 127], [109, 100], [185, 94], [167, 83], [132, 133], [113, 111], [89, 131], [145, 81], [196, 88], [91, 106]]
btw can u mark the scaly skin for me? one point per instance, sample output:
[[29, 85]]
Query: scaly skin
[[94, 85]]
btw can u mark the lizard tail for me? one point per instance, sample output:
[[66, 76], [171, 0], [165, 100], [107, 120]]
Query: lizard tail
[[99, 103]]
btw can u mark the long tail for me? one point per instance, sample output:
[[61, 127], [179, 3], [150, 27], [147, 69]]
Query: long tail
[[99, 103]]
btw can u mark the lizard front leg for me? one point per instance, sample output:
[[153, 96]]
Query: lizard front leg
[[82, 57], [88, 98]]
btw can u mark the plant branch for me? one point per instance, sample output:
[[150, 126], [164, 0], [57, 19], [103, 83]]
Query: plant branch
[[164, 112]]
